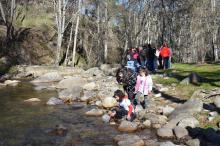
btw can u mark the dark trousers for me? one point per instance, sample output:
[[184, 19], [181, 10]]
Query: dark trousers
[[166, 62], [151, 66], [121, 112]]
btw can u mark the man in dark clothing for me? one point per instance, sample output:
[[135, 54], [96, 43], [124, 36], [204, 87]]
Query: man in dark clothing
[[151, 57]]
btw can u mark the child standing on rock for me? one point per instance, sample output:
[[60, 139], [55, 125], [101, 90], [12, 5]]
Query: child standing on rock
[[143, 87], [125, 107]]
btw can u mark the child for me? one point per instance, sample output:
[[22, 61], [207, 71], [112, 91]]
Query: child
[[143, 87], [125, 107]]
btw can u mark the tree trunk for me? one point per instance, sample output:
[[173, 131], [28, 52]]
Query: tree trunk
[[68, 47], [75, 36], [106, 33]]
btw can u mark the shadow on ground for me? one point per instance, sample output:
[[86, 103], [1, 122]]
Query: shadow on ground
[[207, 137]]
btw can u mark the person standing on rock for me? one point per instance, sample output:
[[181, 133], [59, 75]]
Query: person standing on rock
[[125, 107], [143, 87]]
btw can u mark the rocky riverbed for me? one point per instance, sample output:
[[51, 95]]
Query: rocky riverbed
[[88, 94]]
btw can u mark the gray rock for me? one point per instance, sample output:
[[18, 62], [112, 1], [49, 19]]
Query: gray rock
[[106, 118], [164, 89], [167, 110], [127, 126], [180, 132], [168, 143], [165, 133], [192, 106], [193, 78], [90, 86], [156, 119], [213, 114], [173, 122], [129, 140], [185, 81], [217, 101], [193, 142], [109, 102], [49, 77], [188, 122], [95, 112], [98, 103], [77, 106], [88, 96], [71, 83], [54, 101], [32, 100], [71, 94], [147, 123], [151, 142], [106, 68], [11, 82], [94, 72]]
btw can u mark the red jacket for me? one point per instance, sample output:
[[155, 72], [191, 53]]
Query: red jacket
[[165, 52]]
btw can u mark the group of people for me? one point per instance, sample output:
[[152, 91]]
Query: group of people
[[149, 57], [136, 79], [128, 102]]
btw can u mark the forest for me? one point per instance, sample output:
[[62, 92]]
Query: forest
[[93, 32]]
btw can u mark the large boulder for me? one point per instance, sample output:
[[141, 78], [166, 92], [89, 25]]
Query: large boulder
[[180, 132], [217, 101], [54, 101], [95, 112], [129, 140], [109, 102], [71, 94], [167, 110], [88, 96], [165, 133], [188, 122], [192, 106], [48, 77], [109, 70], [127, 126], [71, 83]]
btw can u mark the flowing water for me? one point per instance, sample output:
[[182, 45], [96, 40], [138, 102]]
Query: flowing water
[[25, 124]]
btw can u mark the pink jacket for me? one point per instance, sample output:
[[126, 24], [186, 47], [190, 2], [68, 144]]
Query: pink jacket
[[148, 85]]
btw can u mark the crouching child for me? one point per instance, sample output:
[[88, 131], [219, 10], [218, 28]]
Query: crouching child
[[125, 107]]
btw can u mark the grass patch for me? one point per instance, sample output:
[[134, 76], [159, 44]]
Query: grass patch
[[210, 74]]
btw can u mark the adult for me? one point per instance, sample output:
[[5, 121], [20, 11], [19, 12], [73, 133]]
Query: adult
[[142, 56], [165, 54], [151, 58]]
